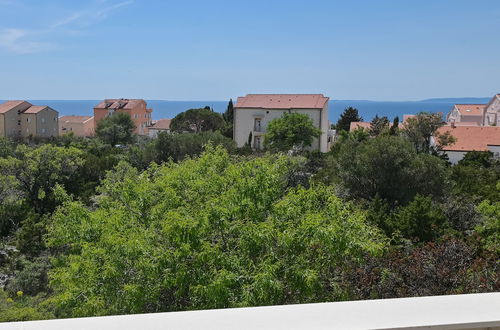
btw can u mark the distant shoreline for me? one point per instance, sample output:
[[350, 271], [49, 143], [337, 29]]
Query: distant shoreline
[[367, 108]]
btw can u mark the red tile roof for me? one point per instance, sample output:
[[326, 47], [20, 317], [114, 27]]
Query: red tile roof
[[161, 124], [359, 124], [74, 119], [406, 117], [35, 109], [471, 138], [470, 109], [9, 105], [119, 103], [282, 101]]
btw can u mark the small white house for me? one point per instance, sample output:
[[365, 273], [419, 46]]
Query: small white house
[[161, 125], [471, 138], [492, 112], [253, 112]]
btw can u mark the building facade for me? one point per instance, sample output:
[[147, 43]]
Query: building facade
[[467, 114], [82, 126], [470, 138], [23, 119], [492, 112], [160, 125], [253, 112], [136, 108]]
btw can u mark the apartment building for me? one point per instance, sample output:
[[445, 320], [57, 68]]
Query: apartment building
[[476, 114], [23, 119], [136, 108], [82, 126], [253, 112]]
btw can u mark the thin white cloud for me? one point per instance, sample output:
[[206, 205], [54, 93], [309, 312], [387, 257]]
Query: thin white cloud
[[24, 41], [104, 12], [16, 41]]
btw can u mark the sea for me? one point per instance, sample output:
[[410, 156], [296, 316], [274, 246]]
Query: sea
[[367, 109]]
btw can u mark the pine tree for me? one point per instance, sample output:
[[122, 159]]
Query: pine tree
[[349, 115]]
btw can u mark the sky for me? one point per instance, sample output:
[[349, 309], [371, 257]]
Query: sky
[[216, 50]]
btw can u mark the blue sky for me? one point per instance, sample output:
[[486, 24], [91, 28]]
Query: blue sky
[[214, 50]]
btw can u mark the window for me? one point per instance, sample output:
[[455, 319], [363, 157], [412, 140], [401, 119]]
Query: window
[[256, 142], [43, 130], [257, 126], [43, 120], [19, 122]]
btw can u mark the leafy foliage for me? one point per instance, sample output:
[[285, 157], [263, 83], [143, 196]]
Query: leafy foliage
[[205, 233], [289, 131], [197, 121], [378, 125], [116, 129], [349, 115], [421, 128], [388, 167]]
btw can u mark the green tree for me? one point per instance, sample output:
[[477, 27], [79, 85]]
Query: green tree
[[210, 232], [421, 219], [229, 118], [420, 129], [349, 115], [378, 125], [394, 130], [197, 121], [116, 129], [289, 131], [388, 167], [180, 146], [489, 229]]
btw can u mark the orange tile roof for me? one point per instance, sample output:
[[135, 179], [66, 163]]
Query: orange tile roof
[[119, 103], [6, 106], [74, 119], [470, 109], [471, 138], [359, 124], [282, 101], [406, 117], [161, 124], [35, 109]]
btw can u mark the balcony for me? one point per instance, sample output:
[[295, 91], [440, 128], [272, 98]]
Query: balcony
[[470, 311]]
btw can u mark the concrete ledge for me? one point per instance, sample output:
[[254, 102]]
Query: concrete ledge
[[471, 311]]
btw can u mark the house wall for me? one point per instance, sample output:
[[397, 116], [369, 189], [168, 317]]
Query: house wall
[[28, 124], [492, 113], [11, 122], [244, 120], [455, 156], [454, 115], [47, 123], [153, 132], [67, 127], [83, 129], [88, 127], [140, 115], [495, 150], [2, 125], [472, 119]]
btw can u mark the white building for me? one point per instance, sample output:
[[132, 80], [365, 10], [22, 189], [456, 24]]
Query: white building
[[492, 112], [161, 125], [470, 138], [253, 112], [466, 114]]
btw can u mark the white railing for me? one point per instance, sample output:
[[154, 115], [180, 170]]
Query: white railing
[[471, 311]]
